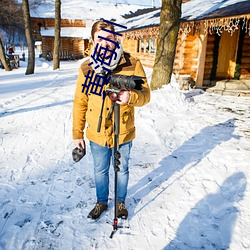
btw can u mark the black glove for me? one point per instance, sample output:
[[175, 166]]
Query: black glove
[[78, 153]]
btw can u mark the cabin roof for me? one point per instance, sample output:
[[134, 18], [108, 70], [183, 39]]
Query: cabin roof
[[208, 9], [193, 10], [79, 32]]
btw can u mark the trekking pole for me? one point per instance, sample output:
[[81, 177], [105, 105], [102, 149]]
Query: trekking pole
[[117, 156]]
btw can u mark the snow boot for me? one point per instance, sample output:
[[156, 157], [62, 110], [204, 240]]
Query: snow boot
[[122, 211], [97, 210]]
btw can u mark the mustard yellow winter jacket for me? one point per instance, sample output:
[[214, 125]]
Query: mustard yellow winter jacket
[[86, 108]]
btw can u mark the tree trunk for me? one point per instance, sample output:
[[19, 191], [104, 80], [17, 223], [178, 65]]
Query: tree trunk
[[29, 38], [3, 57], [56, 59], [168, 34]]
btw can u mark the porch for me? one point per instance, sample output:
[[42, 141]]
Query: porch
[[231, 87]]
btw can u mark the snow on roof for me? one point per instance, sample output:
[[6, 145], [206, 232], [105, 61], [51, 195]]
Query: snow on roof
[[138, 2], [85, 10], [191, 11], [149, 19], [197, 9], [80, 32], [135, 16]]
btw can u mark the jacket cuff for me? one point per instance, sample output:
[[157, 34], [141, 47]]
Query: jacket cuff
[[77, 135], [132, 98]]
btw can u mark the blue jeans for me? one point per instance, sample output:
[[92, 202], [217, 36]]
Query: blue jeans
[[102, 158]]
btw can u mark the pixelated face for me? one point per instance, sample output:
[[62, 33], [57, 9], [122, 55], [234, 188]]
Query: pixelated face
[[103, 42]]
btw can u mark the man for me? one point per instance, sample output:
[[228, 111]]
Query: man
[[87, 107]]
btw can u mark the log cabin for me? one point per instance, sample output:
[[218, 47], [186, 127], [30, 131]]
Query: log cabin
[[74, 37], [213, 41]]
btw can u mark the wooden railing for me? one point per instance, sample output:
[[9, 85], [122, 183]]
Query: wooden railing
[[64, 55]]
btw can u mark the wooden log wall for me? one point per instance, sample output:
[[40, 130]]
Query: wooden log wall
[[186, 55], [131, 46], [178, 61], [47, 45], [146, 59], [50, 22], [66, 44], [79, 46], [73, 45], [190, 56], [185, 59]]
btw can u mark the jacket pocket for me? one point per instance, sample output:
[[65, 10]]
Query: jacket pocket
[[127, 120]]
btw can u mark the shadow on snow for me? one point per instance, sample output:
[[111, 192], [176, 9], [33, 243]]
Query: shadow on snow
[[190, 153], [23, 110], [210, 223]]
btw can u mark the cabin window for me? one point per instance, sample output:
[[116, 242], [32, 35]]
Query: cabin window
[[146, 45], [140, 45], [152, 45]]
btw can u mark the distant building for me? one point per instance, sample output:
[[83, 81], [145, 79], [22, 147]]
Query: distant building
[[77, 19]]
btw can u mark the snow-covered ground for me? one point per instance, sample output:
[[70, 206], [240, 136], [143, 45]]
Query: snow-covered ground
[[189, 170]]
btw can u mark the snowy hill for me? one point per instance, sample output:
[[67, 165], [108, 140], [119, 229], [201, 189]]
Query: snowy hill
[[85, 10]]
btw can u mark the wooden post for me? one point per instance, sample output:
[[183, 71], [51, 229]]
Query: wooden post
[[201, 60], [144, 45], [149, 45], [140, 42]]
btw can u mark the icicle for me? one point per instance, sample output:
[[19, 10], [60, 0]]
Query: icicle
[[216, 25]]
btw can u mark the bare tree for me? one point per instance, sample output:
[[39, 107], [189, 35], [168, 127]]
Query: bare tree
[[36, 3], [11, 16], [56, 59], [3, 57], [28, 33], [168, 34], [11, 24]]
